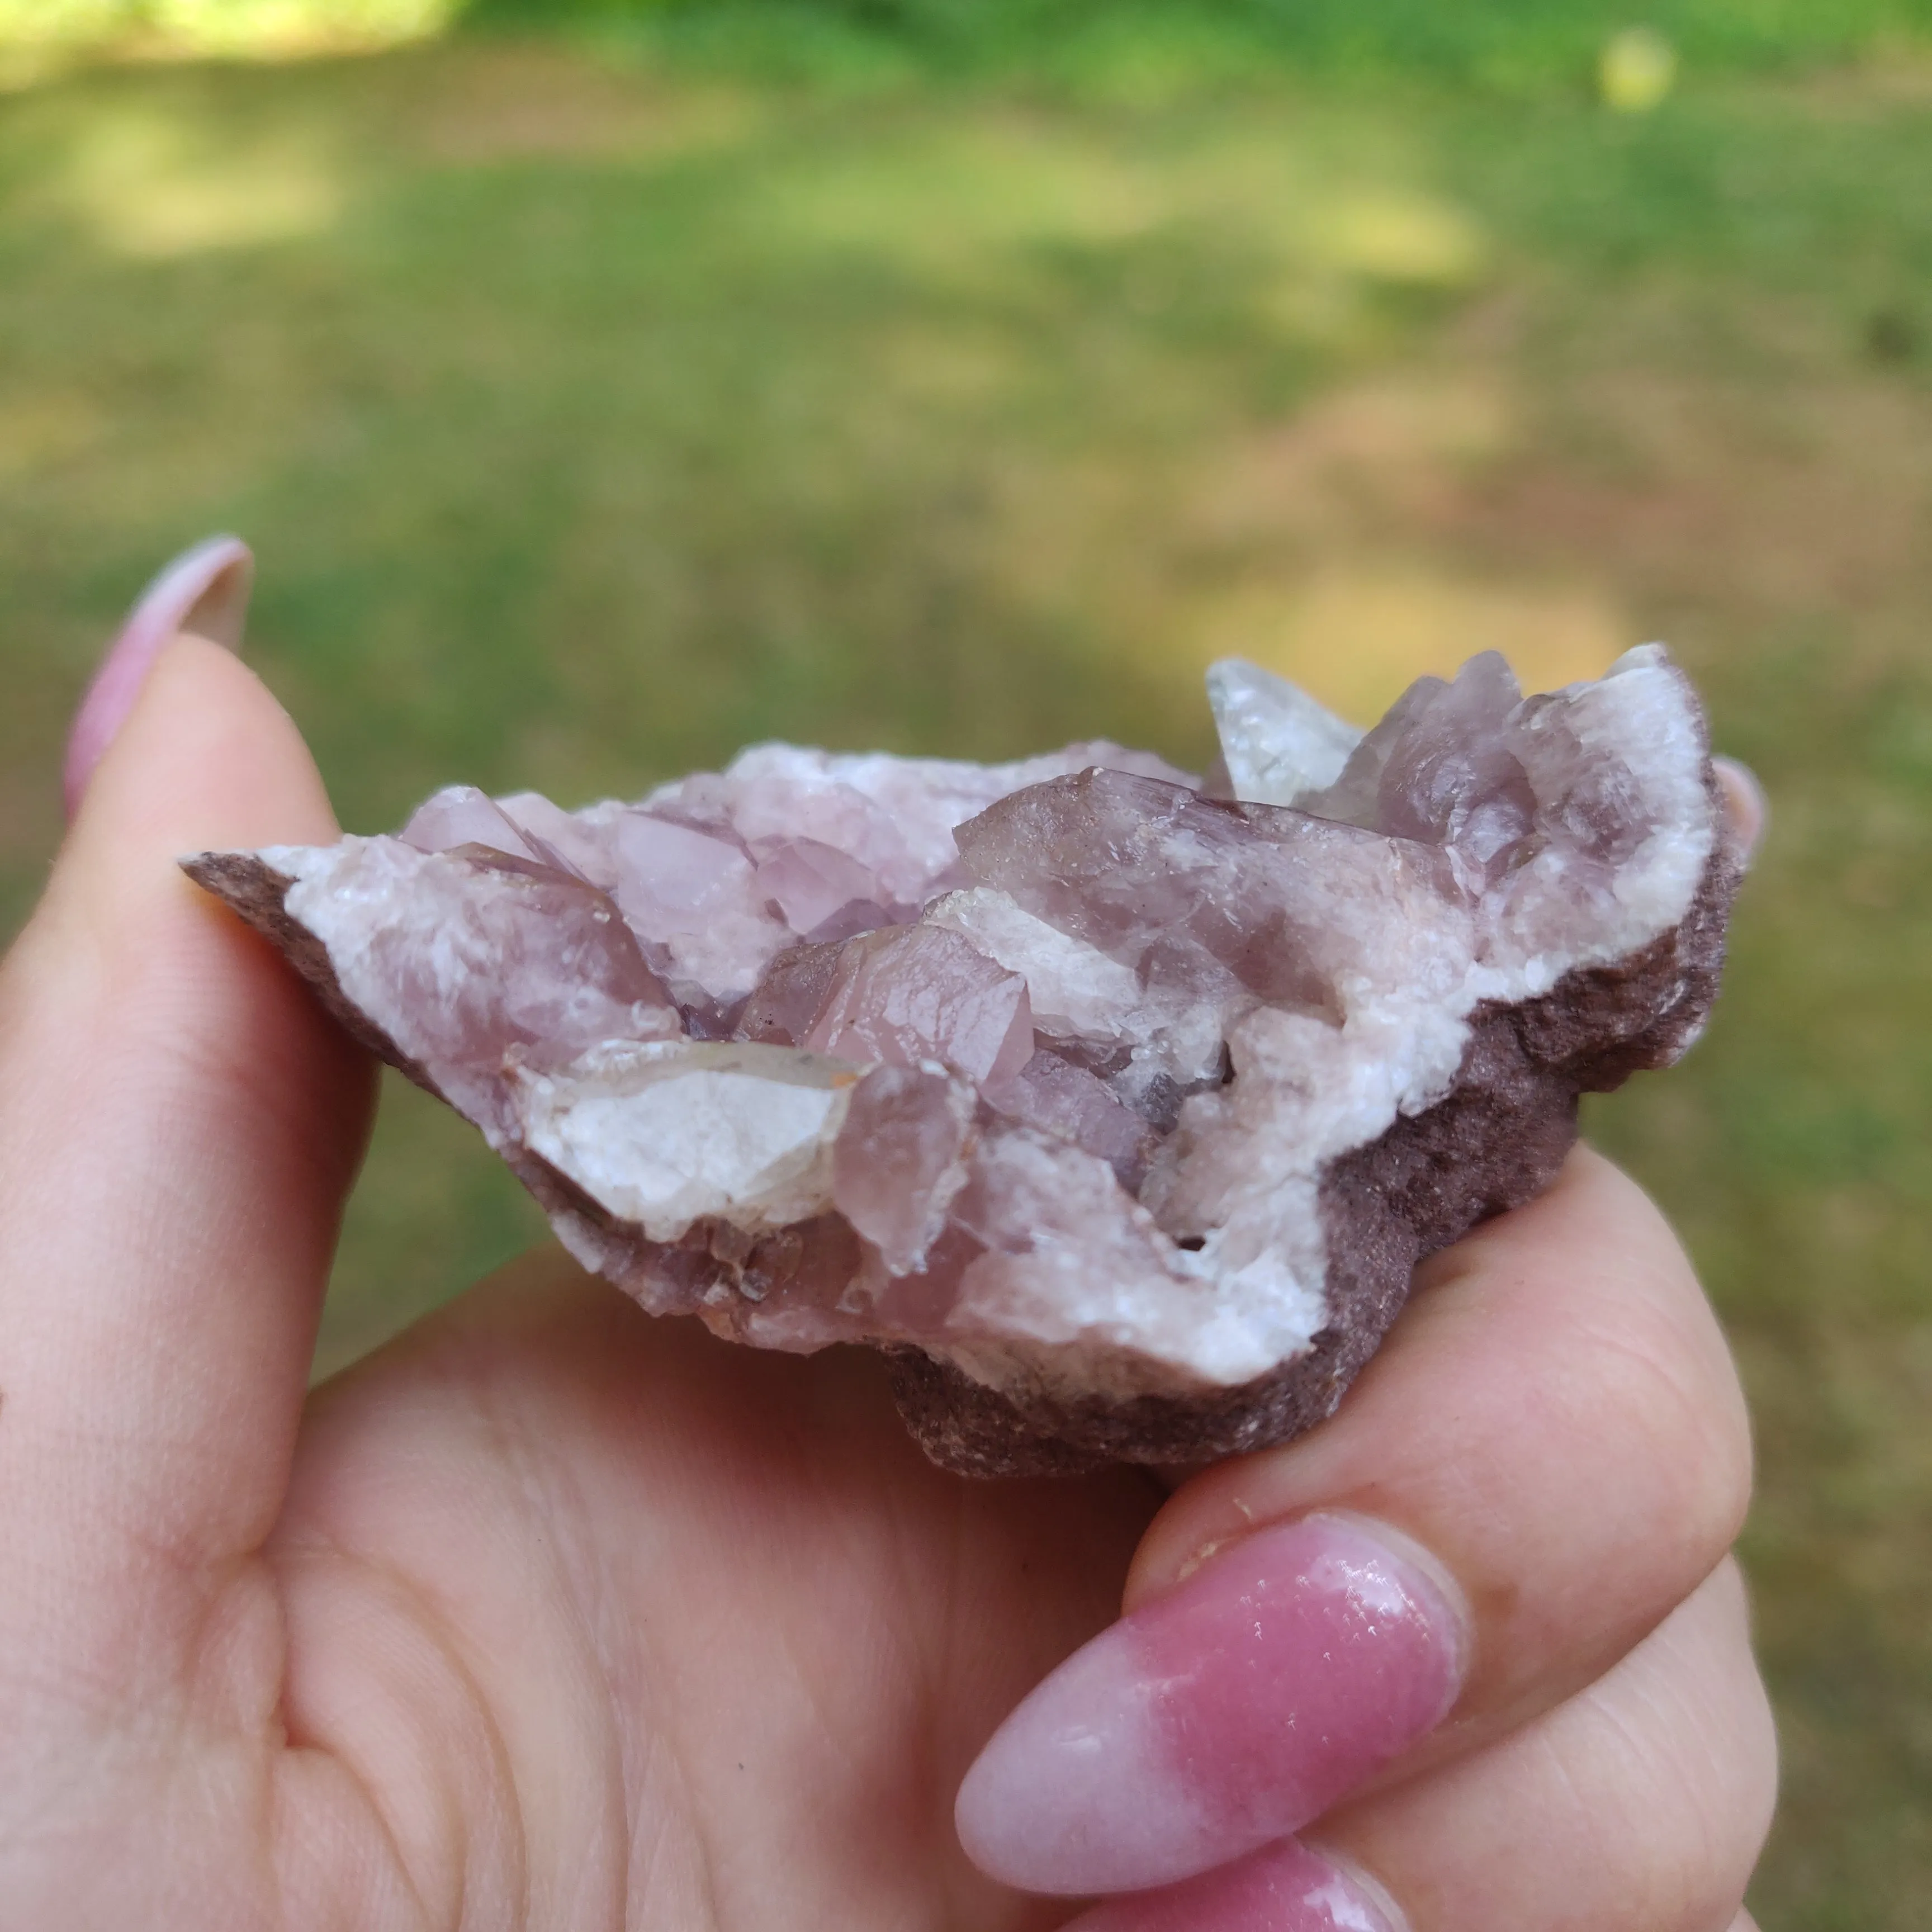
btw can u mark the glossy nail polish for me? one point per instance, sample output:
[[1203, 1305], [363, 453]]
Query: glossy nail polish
[[204, 590], [1287, 1888], [1221, 1717]]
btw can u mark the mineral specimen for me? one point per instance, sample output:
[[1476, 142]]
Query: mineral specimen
[[1116, 1106]]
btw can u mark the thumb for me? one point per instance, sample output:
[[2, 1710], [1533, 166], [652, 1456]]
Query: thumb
[[178, 1128]]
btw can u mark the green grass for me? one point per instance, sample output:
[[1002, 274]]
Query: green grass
[[1121, 47], [594, 414], [1512, 46]]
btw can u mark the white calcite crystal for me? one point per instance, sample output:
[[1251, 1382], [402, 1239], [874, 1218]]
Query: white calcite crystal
[[1118, 1107]]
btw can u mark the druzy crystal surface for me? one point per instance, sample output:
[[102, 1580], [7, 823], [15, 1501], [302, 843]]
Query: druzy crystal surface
[[1117, 1103]]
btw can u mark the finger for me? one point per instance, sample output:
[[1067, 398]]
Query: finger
[[178, 1125], [1643, 1801], [1548, 1455], [1745, 805]]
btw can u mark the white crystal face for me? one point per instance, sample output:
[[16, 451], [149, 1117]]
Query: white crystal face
[[1277, 744], [1039, 1065], [667, 1133]]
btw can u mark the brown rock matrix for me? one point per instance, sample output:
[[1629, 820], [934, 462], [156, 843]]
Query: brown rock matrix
[[1118, 1105]]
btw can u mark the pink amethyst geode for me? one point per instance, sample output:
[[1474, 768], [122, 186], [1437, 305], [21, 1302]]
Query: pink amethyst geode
[[1115, 1105]]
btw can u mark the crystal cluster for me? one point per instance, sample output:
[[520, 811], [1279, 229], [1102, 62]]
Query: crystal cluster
[[1117, 1104]]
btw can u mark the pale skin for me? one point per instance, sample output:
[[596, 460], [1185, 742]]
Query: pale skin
[[550, 1616]]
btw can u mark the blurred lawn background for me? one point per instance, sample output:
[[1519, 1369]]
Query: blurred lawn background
[[605, 386]]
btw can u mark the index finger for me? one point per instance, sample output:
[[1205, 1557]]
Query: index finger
[[1548, 1454]]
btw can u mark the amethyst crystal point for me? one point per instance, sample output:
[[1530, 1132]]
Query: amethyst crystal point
[[898, 1164], [1116, 1106], [917, 993]]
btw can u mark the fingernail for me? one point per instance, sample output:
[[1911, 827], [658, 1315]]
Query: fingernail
[[204, 590], [1744, 803], [1285, 1888], [1223, 1715]]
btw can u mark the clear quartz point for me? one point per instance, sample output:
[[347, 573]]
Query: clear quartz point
[[1277, 743]]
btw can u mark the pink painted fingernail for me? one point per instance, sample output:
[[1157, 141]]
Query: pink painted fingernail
[[204, 590], [1285, 1888], [1221, 1717]]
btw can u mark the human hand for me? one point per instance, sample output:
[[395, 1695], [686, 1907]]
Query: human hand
[[549, 1615]]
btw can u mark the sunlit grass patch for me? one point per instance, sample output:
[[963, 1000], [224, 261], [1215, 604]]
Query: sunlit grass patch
[[154, 184], [1636, 70], [258, 28], [1357, 633]]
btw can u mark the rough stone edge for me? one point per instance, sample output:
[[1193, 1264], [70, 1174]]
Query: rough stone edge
[[254, 891], [1493, 1143]]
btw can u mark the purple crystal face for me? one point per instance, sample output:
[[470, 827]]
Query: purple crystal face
[[1046, 1069]]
